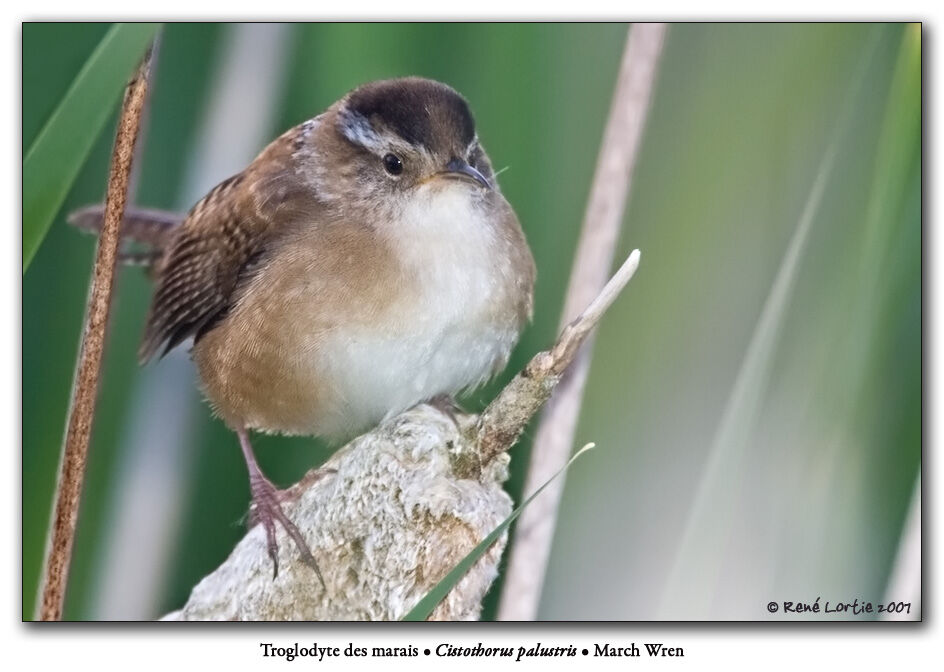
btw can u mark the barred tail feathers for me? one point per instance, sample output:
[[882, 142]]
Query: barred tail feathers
[[153, 228]]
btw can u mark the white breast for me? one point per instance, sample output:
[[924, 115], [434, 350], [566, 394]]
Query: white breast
[[455, 326]]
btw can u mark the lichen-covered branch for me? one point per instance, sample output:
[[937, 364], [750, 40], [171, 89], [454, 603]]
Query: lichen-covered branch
[[396, 509]]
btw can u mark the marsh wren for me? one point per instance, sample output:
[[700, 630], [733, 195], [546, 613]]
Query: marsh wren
[[364, 262]]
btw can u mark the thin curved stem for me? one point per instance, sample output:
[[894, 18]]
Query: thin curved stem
[[85, 386]]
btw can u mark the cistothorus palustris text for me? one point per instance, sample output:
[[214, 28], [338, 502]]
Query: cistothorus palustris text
[[364, 262]]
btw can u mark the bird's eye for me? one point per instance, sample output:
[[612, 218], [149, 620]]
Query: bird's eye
[[393, 164]]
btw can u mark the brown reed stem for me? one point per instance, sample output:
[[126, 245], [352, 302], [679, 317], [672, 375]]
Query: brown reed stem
[[85, 385]]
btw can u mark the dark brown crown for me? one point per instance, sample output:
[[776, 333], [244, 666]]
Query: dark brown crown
[[421, 111]]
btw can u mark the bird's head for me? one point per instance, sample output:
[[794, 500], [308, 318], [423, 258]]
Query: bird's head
[[397, 138]]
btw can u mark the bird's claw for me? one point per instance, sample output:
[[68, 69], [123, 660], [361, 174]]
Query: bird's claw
[[266, 511]]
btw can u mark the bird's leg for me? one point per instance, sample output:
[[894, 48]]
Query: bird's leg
[[267, 510]]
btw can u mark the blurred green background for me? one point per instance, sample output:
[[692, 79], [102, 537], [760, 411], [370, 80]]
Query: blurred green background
[[755, 393]]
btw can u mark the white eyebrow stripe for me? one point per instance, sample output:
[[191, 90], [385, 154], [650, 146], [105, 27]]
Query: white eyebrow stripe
[[356, 128]]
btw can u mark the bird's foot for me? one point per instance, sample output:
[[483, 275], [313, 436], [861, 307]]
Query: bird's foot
[[447, 405], [267, 510]]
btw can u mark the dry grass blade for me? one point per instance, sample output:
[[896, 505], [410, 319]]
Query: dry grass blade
[[599, 234], [425, 607], [85, 386]]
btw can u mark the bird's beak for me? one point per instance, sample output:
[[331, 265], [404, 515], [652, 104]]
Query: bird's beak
[[460, 168]]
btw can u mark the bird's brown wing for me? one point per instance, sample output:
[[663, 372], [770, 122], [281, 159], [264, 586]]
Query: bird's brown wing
[[200, 268], [224, 238]]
